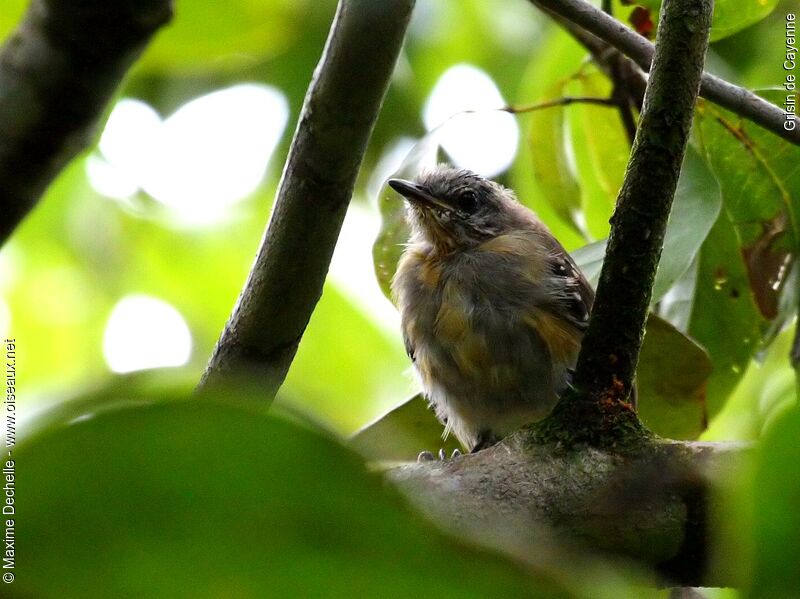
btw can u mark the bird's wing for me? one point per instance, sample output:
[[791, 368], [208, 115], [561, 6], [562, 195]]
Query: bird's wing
[[409, 346], [574, 295]]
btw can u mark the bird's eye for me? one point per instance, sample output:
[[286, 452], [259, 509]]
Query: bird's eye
[[468, 201]]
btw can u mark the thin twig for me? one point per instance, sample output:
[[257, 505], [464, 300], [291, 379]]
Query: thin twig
[[620, 92], [736, 99], [564, 101]]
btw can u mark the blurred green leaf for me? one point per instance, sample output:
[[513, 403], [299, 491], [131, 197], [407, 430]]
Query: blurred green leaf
[[608, 145], [695, 209], [347, 369], [601, 150], [671, 378], [766, 387], [10, 15], [776, 520], [204, 499], [402, 433], [394, 233], [730, 16], [596, 204], [232, 34], [541, 175], [724, 318]]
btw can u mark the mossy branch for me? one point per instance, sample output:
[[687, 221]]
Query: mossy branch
[[549, 505], [607, 362]]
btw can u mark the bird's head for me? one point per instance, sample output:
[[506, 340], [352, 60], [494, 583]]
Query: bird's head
[[455, 209]]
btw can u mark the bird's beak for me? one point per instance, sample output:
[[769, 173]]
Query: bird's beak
[[418, 194]]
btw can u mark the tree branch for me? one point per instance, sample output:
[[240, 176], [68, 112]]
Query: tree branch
[[610, 60], [340, 109], [736, 99], [529, 500], [58, 71], [563, 101], [589, 475], [610, 351]]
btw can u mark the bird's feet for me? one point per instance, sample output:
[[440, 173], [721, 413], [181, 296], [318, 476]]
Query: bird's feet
[[427, 456]]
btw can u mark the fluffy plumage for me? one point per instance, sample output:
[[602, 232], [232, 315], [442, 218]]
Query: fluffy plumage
[[493, 308]]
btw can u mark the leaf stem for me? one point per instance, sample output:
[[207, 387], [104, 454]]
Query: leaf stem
[[564, 101]]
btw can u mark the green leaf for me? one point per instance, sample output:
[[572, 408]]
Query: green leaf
[[402, 433], [776, 519], [231, 34], [767, 387], [742, 293], [394, 232], [608, 145], [730, 16], [761, 192], [671, 378], [10, 15], [601, 150], [204, 499], [695, 208], [542, 175], [724, 318], [694, 211]]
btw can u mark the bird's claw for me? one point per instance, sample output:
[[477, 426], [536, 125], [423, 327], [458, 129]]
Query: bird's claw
[[427, 456], [567, 384]]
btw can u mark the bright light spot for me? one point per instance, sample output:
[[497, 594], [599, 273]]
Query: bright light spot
[[128, 137], [110, 180], [214, 150], [353, 271], [5, 319], [10, 265], [485, 141], [145, 332], [211, 153], [391, 160]]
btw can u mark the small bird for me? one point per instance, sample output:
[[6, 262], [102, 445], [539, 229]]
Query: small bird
[[493, 308]]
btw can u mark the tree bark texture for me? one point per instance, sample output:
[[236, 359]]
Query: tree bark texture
[[650, 505], [610, 351], [339, 112]]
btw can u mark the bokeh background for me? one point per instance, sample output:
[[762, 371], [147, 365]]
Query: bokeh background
[[127, 270], [137, 253]]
